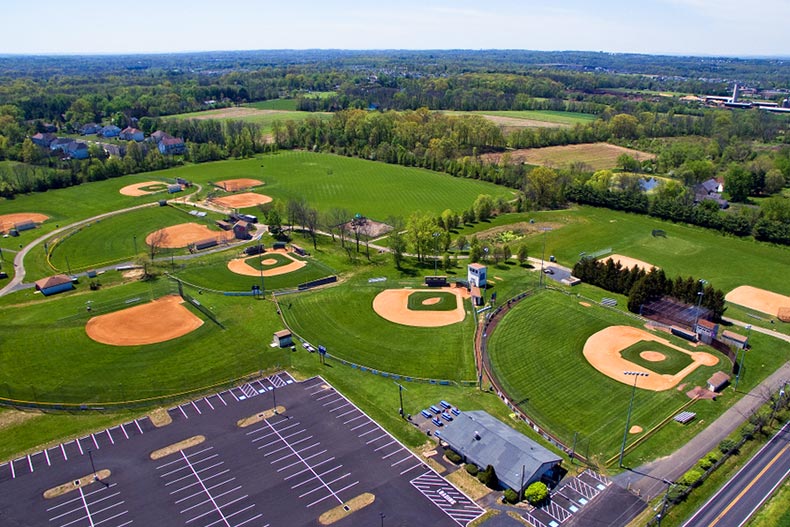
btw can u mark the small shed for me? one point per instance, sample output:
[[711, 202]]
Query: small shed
[[25, 225], [172, 189], [205, 244], [282, 339], [734, 339], [718, 381], [54, 284], [476, 274], [224, 225], [706, 330], [241, 230], [298, 250], [477, 296], [278, 245]]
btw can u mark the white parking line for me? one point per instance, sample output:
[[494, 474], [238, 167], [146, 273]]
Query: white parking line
[[124, 432], [324, 462], [377, 429], [208, 403], [392, 453], [346, 413], [302, 460], [94, 441], [138, 426], [79, 446], [196, 408], [353, 419], [110, 436], [85, 504], [375, 438], [383, 446], [13, 474], [360, 426], [30, 463], [234, 395], [402, 460], [183, 412], [411, 468], [221, 399], [46, 455], [222, 515], [218, 474], [63, 450]]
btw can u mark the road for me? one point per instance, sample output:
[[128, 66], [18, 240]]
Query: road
[[739, 498]]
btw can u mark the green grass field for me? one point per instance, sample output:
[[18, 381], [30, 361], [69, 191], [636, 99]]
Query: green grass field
[[279, 261], [548, 116], [447, 301], [288, 105], [47, 355], [536, 352], [673, 362], [264, 117], [351, 330], [116, 239]]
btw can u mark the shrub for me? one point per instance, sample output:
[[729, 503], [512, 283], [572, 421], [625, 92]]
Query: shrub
[[728, 445], [511, 496], [472, 469], [691, 477], [708, 461], [453, 456], [488, 477], [536, 493]]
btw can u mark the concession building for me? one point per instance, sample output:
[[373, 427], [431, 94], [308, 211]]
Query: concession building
[[484, 440]]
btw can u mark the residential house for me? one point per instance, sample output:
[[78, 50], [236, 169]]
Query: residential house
[[113, 150], [710, 190], [49, 128], [90, 129], [132, 134], [77, 150], [60, 143], [172, 146], [110, 131], [44, 139], [157, 136]]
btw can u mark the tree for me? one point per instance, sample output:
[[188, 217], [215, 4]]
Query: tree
[[624, 126], [488, 477], [536, 493], [544, 188], [628, 163], [522, 254], [30, 152], [446, 261], [311, 224], [461, 243], [156, 241], [738, 182], [774, 181], [483, 207], [506, 252], [397, 247]]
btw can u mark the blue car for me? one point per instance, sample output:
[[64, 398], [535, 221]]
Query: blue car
[[456, 412], [435, 410]]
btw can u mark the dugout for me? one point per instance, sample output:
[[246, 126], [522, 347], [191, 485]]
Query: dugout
[[205, 244], [734, 339], [298, 250], [278, 245], [25, 226], [436, 281], [54, 284]]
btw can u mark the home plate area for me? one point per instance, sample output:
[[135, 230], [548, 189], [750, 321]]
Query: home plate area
[[229, 459]]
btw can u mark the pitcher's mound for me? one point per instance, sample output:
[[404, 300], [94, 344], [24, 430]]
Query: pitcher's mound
[[158, 321]]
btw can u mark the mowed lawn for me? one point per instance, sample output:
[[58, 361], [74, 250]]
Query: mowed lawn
[[342, 319], [536, 353], [531, 118], [376, 190], [47, 355], [113, 239], [263, 116]]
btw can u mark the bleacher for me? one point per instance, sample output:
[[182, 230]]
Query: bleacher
[[685, 417]]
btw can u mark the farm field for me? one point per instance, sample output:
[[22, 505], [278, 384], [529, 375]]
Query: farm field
[[265, 117], [74, 368], [597, 156], [351, 330], [531, 118], [536, 352], [325, 181]]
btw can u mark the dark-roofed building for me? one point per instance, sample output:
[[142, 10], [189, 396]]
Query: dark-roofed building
[[77, 150], [485, 440], [90, 129], [54, 284], [44, 139], [110, 131], [157, 136], [718, 381], [172, 146], [710, 190], [706, 330]]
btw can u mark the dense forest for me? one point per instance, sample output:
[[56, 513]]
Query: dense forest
[[385, 107]]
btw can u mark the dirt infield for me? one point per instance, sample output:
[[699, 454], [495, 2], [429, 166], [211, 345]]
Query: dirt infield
[[392, 305], [758, 299], [628, 262], [602, 350], [186, 233], [231, 185], [240, 266], [241, 201], [7, 221], [157, 321], [597, 156], [134, 190]]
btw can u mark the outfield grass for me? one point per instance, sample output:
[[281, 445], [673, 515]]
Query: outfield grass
[[325, 181], [351, 330], [47, 356], [279, 261], [447, 301], [536, 352], [117, 238], [672, 364]]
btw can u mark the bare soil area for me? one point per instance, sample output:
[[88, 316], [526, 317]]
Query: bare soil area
[[232, 185], [602, 350], [240, 266], [134, 190], [392, 305], [629, 263], [185, 234], [158, 321], [242, 201], [758, 299], [7, 221], [597, 156]]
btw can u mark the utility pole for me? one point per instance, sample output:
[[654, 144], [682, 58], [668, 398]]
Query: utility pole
[[400, 395], [636, 375]]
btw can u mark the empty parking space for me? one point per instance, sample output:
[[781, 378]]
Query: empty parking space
[[252, 467]]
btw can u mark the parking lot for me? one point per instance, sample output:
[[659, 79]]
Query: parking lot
[[287, 469]]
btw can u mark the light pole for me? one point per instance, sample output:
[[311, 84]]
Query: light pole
[[400, 395], [742, 352], [260, 252], [636, 375], [435, 251], [135, 244], [702, 283], [543, 255]]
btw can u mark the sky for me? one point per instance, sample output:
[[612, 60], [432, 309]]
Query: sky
[[687, 27]]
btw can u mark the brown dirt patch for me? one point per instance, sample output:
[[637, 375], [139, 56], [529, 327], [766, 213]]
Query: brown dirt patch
[[160, 417], [346, 509], [758, 299], [260, 416], [235, 112], [698, 392], [585, 304], [468, 484], [134, 189], [185, 234], [636, 429], [241, 201], [65, 488], [602, 351], [628, 262], [431, 301], [177, 447], [682, 386], [231, 185], [133, 274], [7, 221], [12, 418], [392, 305], [523, 228], [240, 266], [597, 156], [158, 321], [516, 122], [652, 356]]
